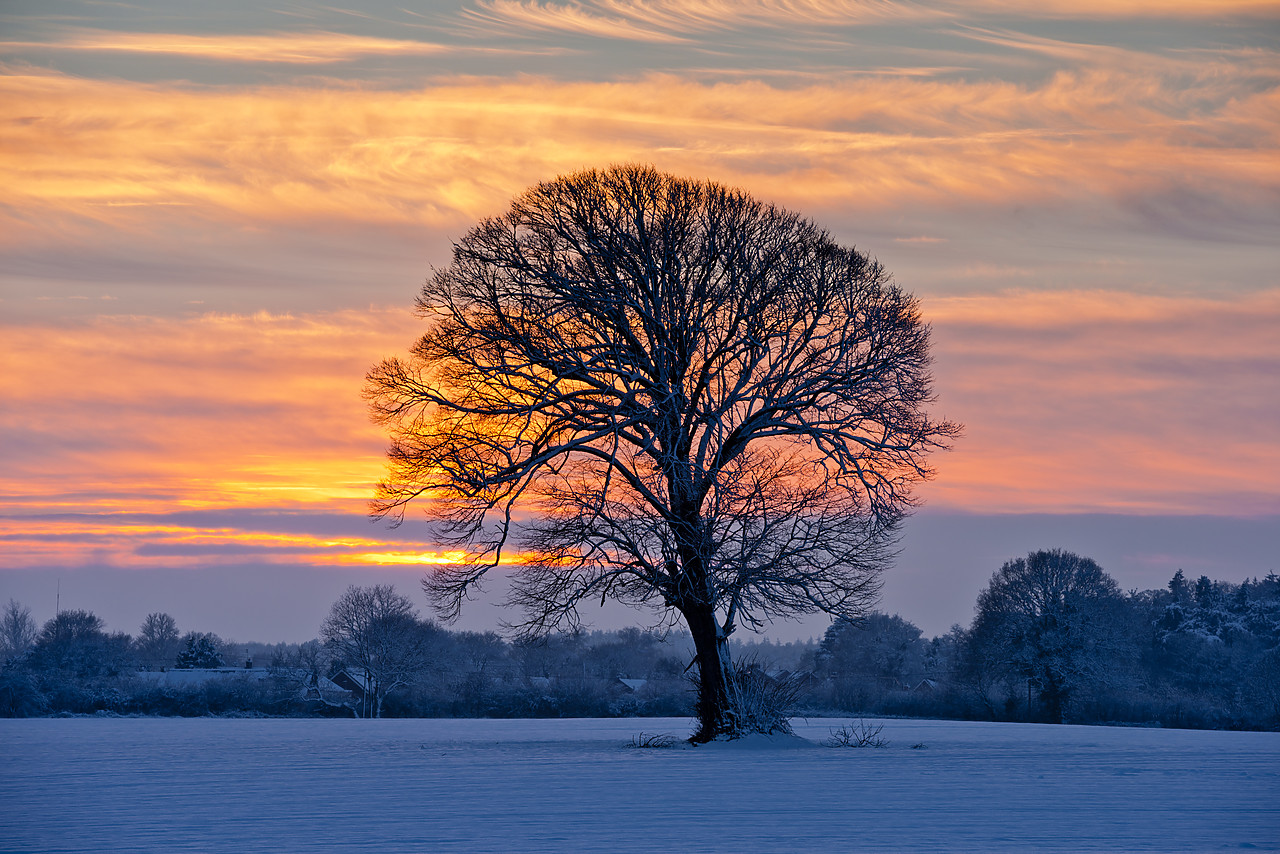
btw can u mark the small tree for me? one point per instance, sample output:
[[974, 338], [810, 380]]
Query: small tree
[[158, 642], [375, 632], [17, 631], [689, 399], [200, 650]]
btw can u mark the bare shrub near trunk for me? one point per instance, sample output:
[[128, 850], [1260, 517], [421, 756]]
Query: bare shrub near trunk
[[666, 393], [761, 703]]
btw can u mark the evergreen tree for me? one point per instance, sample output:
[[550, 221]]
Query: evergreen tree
[[200, 650]]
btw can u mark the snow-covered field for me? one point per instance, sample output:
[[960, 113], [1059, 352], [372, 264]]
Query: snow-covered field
[[210, 785]]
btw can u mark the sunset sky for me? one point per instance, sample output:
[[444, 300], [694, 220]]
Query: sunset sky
[[214, 218]]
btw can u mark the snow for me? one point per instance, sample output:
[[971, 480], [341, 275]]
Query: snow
[[247, 785], [757, 741]]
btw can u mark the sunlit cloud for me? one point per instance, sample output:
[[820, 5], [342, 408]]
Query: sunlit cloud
[[147, 414], [1110, 401], [121, 540], [442, 156], [298, 48], [415, 558]]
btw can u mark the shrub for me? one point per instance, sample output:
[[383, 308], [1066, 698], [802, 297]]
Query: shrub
[[860, 734], [760, 703]]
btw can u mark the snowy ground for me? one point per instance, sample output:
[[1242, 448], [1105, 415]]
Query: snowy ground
[[209, 785]]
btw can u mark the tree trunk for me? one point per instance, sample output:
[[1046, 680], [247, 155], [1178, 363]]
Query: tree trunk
[[715, 713], [1053, 699]]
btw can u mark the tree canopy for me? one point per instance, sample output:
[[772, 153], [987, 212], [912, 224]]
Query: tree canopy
[[665, 392], [1055, 619]]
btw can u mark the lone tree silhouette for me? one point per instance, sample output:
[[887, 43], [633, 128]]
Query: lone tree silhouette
[[667, 393]]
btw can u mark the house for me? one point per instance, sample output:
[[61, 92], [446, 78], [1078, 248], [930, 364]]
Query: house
[[353, 682]]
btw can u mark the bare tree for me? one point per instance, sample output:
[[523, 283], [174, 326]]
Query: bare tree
[[158, 642], [673, 395], [375, 632], [17, 631]]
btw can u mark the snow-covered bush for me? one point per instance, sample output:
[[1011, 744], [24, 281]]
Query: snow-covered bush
[[20, 695]]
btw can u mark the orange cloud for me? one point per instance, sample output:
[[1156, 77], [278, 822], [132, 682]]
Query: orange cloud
[[128, 154], [136, 541], [150, 414], [297, 48]]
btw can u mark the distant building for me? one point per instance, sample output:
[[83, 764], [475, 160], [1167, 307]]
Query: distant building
[[630, 686]]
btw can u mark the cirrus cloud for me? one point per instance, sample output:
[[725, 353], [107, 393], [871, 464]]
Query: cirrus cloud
[[682, 21], [1201, 131], [286, 47]]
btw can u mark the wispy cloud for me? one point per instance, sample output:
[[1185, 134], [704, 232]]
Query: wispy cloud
[[525, 15], [685, 20], [1202, 133], [159, 540], [287, 47], [1110, 401], [682, 20], [1113, 9]]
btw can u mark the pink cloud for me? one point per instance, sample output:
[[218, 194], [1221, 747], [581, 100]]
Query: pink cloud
[[1110, 402]]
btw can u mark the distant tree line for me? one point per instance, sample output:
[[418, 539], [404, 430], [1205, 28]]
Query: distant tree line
[[1053, 640], [374, 657]]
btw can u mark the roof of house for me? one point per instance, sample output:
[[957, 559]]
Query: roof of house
[[200, 675]]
